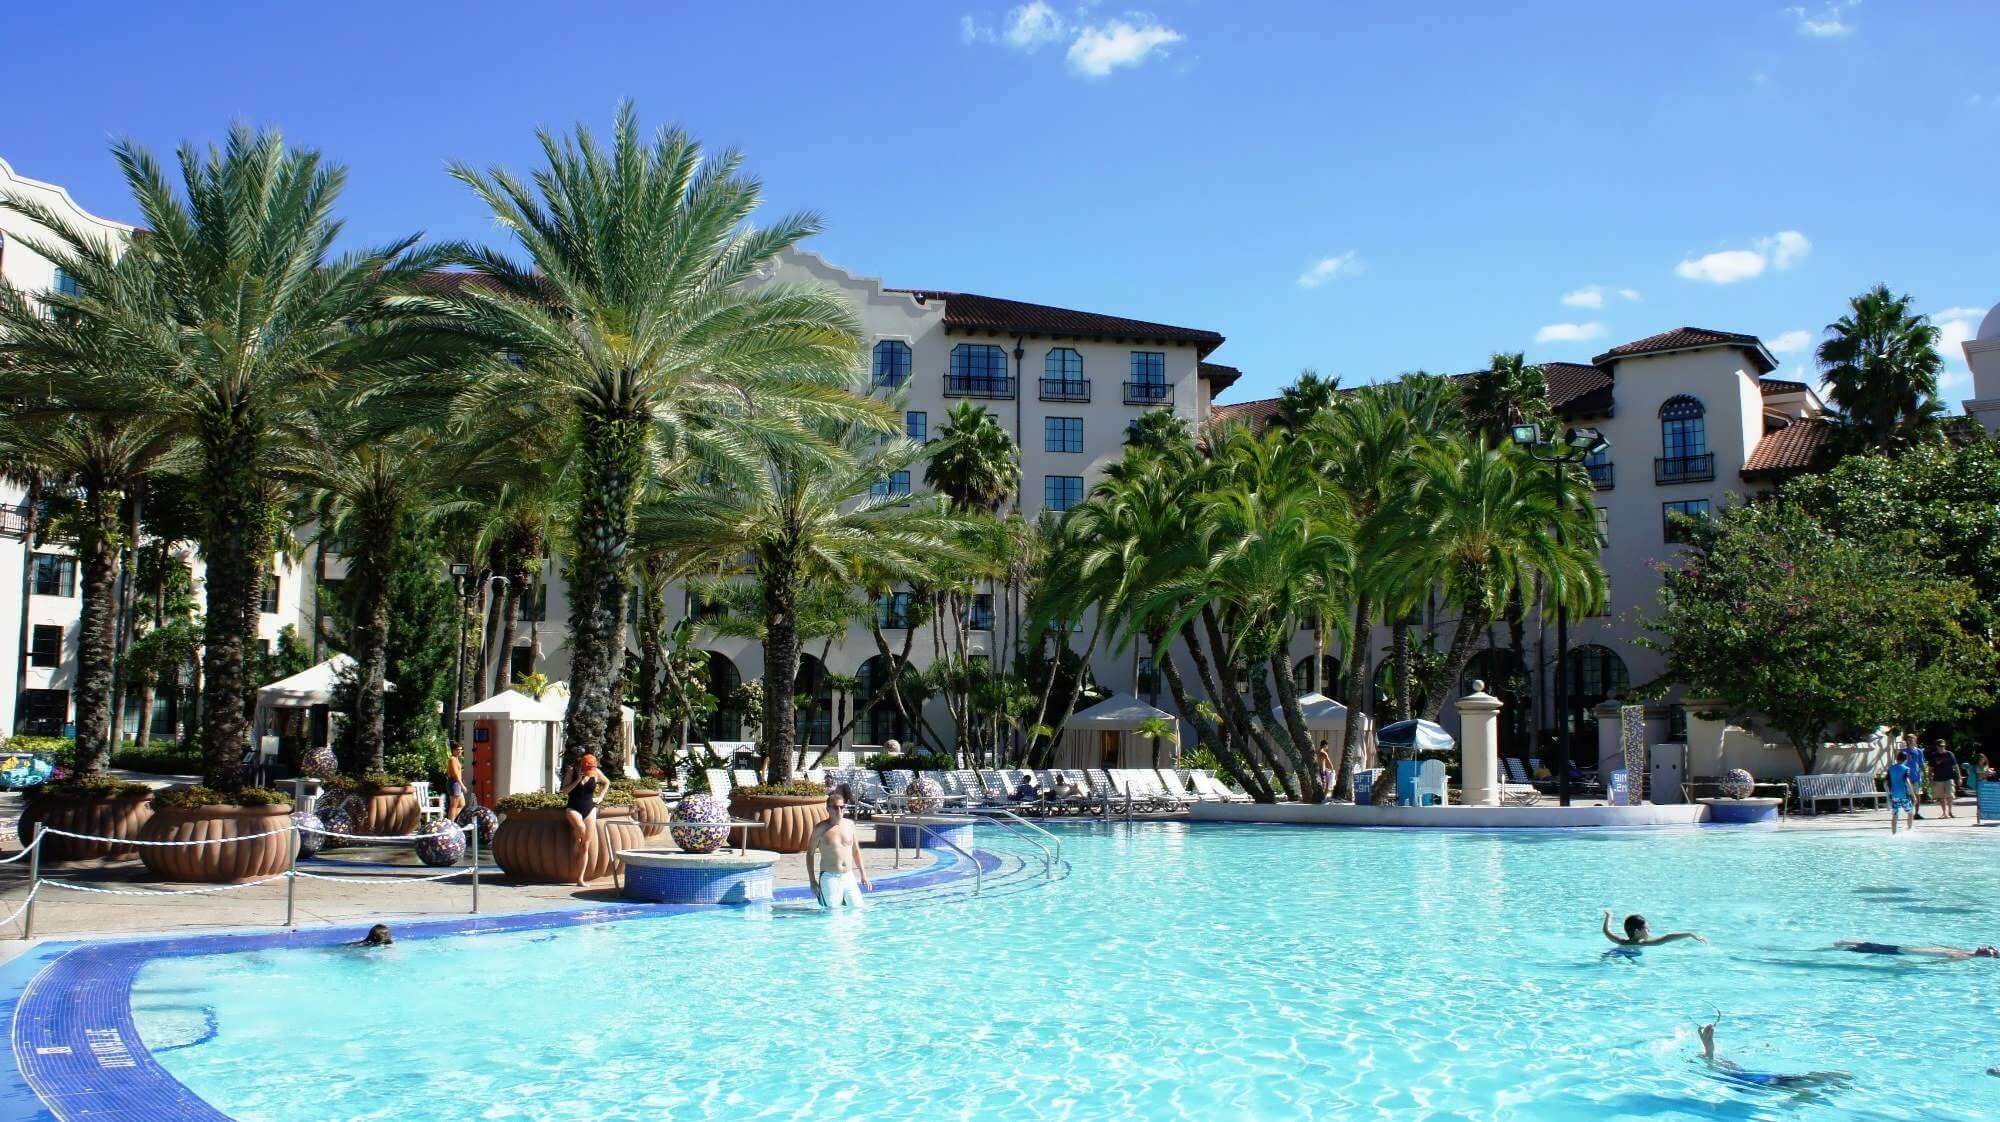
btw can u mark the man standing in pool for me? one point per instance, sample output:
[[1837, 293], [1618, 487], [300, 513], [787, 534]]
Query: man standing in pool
[[1637, 934], [833, 857], [1902, 791]]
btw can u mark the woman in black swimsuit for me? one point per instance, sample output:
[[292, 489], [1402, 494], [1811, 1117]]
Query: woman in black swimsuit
[[584, 793]]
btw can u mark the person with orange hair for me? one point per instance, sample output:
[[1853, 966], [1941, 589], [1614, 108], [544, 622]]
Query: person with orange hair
[[584, 793]]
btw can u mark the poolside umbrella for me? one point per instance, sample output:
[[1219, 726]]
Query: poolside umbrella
[[1426, 736]]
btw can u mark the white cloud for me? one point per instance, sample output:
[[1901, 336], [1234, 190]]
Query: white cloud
[[1631, 294], [1589, 296], [1569, 332], [1826, 21], [1032, 25], [971, 31], [1101, 48], [1955, 327], [1788, 341], [1330, 268], [1781, 250]]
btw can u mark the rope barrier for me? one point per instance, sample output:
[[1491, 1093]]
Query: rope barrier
[[446, 875], [25, 901], [25, 850], [163, 891], [363, 837], [136, 841]]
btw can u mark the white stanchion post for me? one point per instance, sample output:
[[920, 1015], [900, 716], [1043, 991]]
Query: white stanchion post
[[475, 864], [34, 883], [292, 881]]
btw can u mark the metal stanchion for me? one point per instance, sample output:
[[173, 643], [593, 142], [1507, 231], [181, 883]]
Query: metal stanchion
[[34, 882], [475, 864], [292, 881]]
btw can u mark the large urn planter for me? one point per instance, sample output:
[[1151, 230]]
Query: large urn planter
[[650, 811], [788, 819], [225, 861], [106, 816], [536, 846], [387, 812]]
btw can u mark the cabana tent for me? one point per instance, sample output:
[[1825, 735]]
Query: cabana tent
[[557, 695], [1105, 735], [296, 711], [1326, 720], [516, 744]]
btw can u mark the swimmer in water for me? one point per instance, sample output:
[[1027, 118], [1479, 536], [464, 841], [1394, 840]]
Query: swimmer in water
[[378, 936], [1949, 954], [1637, 934], [1732, 1073]]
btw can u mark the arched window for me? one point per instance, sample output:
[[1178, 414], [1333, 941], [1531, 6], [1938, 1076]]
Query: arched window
[[1328, 681], [815, 703], [1684, 442], [883, 721], [1595, 673], [1063, 364], [1505, 679], [892, 363], [978, 370], [726, 722]]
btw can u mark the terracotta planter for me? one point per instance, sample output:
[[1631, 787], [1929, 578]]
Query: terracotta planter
[[788, 819], [120, 817], [536, 846], [225, 862], [387, 812], [650, 811]]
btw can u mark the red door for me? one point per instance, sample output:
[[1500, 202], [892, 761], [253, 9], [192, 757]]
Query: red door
[[482, 762]]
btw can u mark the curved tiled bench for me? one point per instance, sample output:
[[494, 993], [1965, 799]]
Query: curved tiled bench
[[1740, 812], [957, 829], [663, 877]]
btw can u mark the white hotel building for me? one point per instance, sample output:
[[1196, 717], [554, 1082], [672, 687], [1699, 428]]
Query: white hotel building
[[1692, 419]]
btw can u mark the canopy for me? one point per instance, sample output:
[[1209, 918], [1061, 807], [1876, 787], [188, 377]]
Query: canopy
[[1425, 736], [513, 705], [1322, 713], [1119, 711], [311, 686]]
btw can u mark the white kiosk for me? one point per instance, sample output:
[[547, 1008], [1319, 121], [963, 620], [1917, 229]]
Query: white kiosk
[[517, 742], [1106, 735]]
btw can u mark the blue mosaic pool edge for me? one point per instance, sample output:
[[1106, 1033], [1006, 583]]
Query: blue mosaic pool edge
[[76, 1051]]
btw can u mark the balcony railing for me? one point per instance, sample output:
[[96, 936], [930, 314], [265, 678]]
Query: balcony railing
[[1684, 469], [978, 385], [1149, 393], [1600, 476], [1061, 389]]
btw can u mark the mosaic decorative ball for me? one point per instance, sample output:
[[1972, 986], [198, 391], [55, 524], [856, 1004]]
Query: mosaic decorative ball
[[318, 763], [336, 816], [1738, 784], [481, 818], [926, 796], [311, 841], [690, 833], [440, 843]]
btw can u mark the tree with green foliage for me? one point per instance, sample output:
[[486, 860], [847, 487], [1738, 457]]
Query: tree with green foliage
[[1305, 399], [974, 462], [1880, 363], [1825, 636]]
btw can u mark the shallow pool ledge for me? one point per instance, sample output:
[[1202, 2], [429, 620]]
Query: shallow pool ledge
[[1549, 817]]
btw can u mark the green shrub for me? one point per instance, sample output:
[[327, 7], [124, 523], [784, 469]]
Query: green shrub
[[789, 788], [416, 764], [1200, 756], [617, 796], [376, 781], [908, 761], [189, 797], [89, 786], [532, 800], [63, 748], [158, 761], [637, 786]]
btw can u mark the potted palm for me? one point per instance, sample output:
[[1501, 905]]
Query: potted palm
[[534, 844], [649, 810], [788, 810], [86, 804], [190, 814]]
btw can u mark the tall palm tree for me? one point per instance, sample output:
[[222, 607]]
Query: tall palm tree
[[1509, 392], [638, 327], [975, 462], [819, 517], [1303, 400], [224, 322], [1881, 367]]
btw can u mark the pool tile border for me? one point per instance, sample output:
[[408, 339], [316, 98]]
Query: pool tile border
[[76, 1051]]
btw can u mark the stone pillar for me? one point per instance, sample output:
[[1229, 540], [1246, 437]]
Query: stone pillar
[[1638, 764], [1479, 738]]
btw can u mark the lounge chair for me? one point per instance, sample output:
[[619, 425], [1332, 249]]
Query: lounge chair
[[718, 783], [1515, 789], [1210, 787], [1174, 789], [744, 777]]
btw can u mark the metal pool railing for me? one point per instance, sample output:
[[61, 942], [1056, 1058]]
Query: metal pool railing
[[1005, 817]]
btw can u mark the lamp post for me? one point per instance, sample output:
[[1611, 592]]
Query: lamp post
[[1576, 445], [460, 571]]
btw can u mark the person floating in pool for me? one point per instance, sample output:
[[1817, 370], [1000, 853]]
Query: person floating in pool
[[584, 793], [1948, 954], [378, 936], [1638, 935], [1902, 792], [1784, 1081], [834, 866]]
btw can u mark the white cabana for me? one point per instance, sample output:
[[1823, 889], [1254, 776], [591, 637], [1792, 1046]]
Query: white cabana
[[1326, 720], [516, 744], [557, 695], [1106, 735], [297, 708]]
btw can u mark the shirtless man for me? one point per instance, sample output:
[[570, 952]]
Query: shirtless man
[[833, 858], [1637, 934], [1730, 1072], [1950, 954]]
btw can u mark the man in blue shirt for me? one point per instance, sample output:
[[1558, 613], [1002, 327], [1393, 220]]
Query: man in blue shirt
[[1944, 778], [1902, 788]]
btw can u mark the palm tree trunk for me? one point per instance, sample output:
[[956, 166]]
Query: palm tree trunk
[[98, 635], [234, 540], [1231, 754], [1354, 682], [1295, 727], [126, 581], [1400, 670], [510, 615], [781, 663], [1469, 627], [612, 457], [651, 647], [146, 695], [31, 523], [371, 641]]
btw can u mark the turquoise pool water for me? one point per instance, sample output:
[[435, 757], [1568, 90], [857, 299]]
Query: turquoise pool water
[[1178, 971]]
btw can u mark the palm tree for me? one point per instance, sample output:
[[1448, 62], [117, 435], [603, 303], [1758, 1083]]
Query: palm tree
[[819, 517], [975, 462], [223, 323], [1303, 400], [640, 330], [1509, 392], [1881, 367]]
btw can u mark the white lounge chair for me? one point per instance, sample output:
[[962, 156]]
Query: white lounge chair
[[1213, 788], [744, 777], [1431, 783], [718, 783], [1172, 787]]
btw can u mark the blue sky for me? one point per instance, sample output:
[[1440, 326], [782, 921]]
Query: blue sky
[[1360, 188]]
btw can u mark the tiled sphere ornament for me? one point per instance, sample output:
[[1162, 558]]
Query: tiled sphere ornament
[[695, 829], [319, 763], [440, 843], [336, 816], [1738, 784], [311, 840], [926, 797], [481, 818]]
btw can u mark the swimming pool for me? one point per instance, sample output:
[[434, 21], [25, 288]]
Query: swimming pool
[[1177, 971]]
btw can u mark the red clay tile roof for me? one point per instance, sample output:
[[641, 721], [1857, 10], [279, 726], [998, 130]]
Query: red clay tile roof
[[1780, 385], [1691, 338], [1218, 376], [1803, 445], [1257, 414], [966, 311], [1577, 388]]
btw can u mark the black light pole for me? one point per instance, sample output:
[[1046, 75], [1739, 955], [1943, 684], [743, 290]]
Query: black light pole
[[459, 572], [1576, 444]]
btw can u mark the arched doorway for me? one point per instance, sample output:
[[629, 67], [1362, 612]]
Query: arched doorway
[[726, 722], [1595, 673], [1328, 680], [883, 721], [1507, 680], [814, 699]]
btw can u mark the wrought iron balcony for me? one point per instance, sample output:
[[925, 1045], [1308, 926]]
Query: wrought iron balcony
[[1684, 469], [1601, 477], [1065, 389], [978, 385], [1149, 393]]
